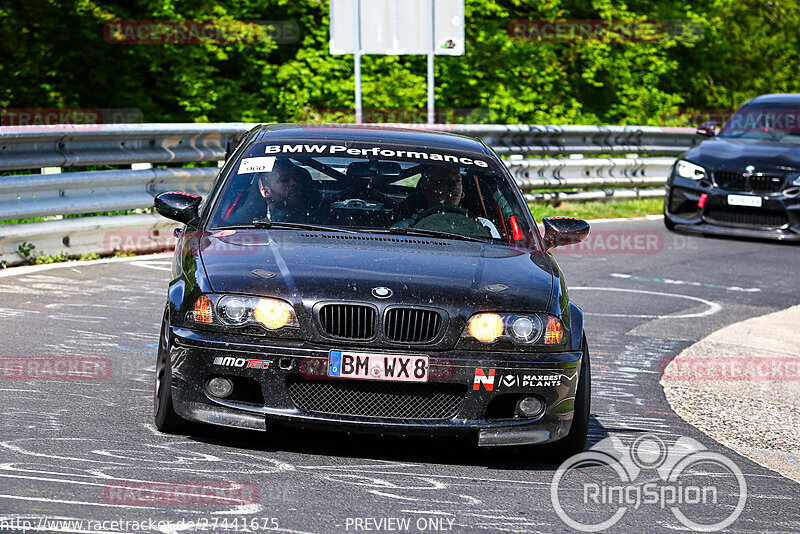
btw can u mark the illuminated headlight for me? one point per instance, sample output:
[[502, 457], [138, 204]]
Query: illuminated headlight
[[796, 181], [273, 313], [516, 327], [232, 310], [486, 327], [684, 169]]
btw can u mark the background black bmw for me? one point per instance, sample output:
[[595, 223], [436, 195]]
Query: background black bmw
[[746, 180], [371, 280]]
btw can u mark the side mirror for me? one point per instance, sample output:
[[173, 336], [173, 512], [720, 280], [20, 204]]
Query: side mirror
[[708, 129], [560, 231], [181, 207]]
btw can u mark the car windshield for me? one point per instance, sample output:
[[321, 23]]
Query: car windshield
[[414, 191], [773, 121]]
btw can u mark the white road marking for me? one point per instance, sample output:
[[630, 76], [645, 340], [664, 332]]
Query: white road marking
[[150, 265], [713, 307], [670, 281], [62, 501]]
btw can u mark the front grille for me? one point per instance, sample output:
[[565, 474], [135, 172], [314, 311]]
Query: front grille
[[766, 184], [409, 325], [734, 181], [348, 321], [388, 400], [746, 216]]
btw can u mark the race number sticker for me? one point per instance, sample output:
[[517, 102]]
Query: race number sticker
[[262, 164]]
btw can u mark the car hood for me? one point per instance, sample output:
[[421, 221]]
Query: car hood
[[735, 154], [315, 266]]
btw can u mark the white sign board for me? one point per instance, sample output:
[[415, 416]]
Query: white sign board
[[397, 27]]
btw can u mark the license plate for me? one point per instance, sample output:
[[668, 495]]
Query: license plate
[[744, 200], [366, 366]]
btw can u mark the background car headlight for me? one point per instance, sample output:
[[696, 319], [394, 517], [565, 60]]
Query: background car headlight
[[519, 328], [234, 310], [685, 169]]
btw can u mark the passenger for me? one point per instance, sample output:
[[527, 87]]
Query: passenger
[[290, 194]]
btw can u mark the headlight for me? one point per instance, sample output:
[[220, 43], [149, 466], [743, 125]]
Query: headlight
[[520, 328], [232, 310], [273, 313], [796, 181], [684, 169], [486, 327]]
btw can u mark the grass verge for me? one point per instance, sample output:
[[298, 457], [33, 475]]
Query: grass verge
[[600, 210]]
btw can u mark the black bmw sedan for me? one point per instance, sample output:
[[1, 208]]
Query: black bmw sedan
[[376, 280], [745, 181]]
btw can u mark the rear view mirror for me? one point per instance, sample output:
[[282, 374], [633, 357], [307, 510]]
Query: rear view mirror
[[364, 169], [178, 206], [560, 231], [708, 129]]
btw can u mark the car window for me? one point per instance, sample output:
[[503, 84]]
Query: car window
[[777, 121], [373, 189]]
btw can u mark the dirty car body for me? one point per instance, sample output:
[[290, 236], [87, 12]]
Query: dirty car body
[[362, 308]]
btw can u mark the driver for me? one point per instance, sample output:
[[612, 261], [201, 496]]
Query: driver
[[436, 187], [289, 194]]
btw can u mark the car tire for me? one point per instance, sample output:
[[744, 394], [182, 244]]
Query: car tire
[[166, 418], [575, 441], [667, 222]]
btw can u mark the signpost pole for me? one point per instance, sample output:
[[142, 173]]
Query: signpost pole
[[431, 50], [357, 59]]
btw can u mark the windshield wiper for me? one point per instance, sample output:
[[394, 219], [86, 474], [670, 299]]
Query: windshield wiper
[[279, 225], [403, 230]]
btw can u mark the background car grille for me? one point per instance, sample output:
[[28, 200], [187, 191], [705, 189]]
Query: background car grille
[[390, 400], [348, 321], [409, 325], [735, 181], [746, 216]]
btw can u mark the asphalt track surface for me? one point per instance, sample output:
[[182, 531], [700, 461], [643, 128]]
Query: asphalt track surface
[[64, 443]]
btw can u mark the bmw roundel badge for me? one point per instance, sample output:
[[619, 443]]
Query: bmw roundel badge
[[381, 292]]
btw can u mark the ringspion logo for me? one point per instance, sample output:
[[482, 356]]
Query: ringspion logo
[[701, 489]]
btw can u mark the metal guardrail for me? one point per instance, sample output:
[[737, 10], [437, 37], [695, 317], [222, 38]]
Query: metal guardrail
[[81, 192]]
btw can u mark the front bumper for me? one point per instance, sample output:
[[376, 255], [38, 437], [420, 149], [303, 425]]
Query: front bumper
[[778, 218], [483, 407]]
